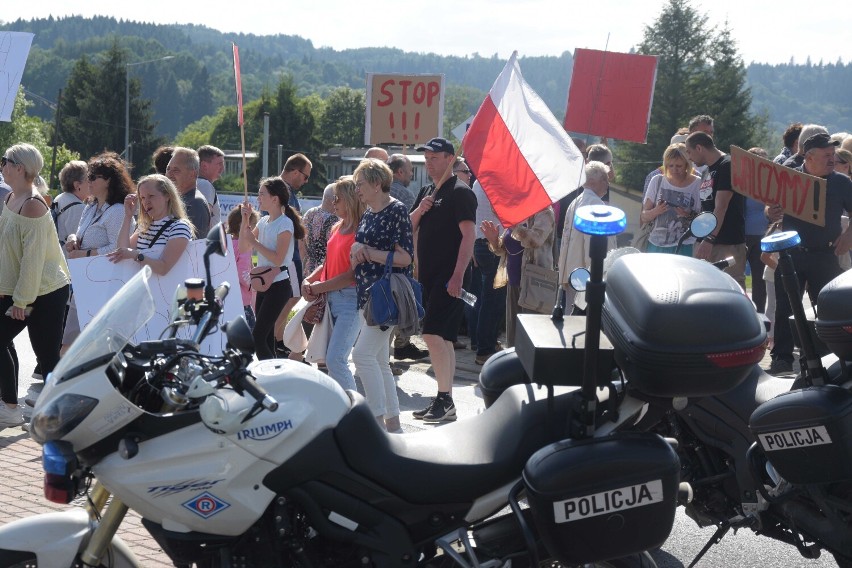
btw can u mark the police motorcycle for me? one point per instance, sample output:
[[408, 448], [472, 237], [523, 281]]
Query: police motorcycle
[[681, 344], [235, 462]]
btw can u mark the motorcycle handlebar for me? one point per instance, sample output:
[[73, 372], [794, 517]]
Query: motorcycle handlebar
[[725, 263], [257, 392]]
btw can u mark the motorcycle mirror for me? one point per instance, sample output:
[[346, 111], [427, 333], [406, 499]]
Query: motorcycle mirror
[[703, 225], [239, 335], [579, 278], [216, 243]]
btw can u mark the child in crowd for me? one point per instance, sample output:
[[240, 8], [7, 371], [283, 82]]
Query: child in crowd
[[243, 259]]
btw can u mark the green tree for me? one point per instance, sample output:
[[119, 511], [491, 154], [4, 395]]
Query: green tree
[[33, 130], [342, 121], [698, 72], [459, 103], [93, 109]]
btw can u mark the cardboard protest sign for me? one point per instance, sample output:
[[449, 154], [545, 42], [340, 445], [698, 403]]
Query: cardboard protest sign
[[799, 194], [611, 94], [97, 278], [403, 109], [14, 48]]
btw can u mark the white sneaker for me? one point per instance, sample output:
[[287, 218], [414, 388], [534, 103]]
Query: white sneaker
[[10, 416], [32, 394]]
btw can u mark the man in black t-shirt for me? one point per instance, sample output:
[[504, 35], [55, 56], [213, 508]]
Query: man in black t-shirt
[[718, 197], [443, 220]]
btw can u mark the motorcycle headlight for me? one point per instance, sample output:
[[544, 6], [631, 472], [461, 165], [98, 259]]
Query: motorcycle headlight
[[60, 417]]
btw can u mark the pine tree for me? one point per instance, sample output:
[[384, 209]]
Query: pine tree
[[698, 72]]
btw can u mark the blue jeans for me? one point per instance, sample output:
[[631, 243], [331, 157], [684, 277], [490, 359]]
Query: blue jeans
[[344, 314], [490, 303]]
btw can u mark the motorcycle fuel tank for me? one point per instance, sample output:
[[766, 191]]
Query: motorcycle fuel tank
[[807, 434], [834, 322], [680, 326], [603, 498]]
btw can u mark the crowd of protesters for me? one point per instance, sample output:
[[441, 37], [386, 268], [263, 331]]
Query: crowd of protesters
[[446, 235]]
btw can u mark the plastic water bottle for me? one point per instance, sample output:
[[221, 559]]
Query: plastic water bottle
[[468, 298]]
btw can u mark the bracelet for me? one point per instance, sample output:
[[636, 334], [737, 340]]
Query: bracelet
[[710, 239]]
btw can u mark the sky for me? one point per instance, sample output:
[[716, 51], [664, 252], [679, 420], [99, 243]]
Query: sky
[[486, 27]]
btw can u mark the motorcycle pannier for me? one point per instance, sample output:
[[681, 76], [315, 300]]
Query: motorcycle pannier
[[603, 498], [807, 434], [680, 326], [834, 321]]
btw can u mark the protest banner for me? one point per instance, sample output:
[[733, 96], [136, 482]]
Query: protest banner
[[611, 94], [14, 48], [97, 278], [403, 109], [799, 194]]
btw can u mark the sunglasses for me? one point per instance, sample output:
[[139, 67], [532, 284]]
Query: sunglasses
[[307, 177], [93, 177], [4, 160], [839, 161], [468, 172]]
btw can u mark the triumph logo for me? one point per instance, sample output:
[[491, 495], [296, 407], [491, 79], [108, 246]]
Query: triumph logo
[[608, 502], [261, 433], [789, 439]]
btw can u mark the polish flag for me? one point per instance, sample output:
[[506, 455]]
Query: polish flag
[[520, 153]]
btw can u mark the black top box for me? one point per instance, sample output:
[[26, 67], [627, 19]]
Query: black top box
[[834, 321], [680, 327]]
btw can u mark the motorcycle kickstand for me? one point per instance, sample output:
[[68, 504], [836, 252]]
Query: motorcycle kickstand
[[714, 540]]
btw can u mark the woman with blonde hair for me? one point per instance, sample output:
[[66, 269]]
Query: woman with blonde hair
[[336, 278], [163, 230], [34, 278], [384, 227], [671, 201]]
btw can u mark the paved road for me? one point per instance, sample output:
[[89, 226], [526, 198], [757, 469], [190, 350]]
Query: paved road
[[21, 463]]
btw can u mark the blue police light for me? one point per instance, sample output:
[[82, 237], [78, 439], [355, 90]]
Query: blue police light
[[57, 458], [780, 241], [600, 220]]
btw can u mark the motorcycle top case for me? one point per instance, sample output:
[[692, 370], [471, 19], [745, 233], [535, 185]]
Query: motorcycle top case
[[680, 327], [602, 498], [807, 434], [834, 321]]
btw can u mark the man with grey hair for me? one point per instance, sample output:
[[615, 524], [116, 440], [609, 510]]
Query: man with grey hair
[[594, 153], [183, 171], [574, 248], [403, 172], [808, 130], [211, 167]]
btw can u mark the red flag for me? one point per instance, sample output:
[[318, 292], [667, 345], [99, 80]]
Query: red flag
[[239, 82], [522, 156]]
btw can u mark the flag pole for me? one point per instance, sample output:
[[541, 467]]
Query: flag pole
[[239, 85]]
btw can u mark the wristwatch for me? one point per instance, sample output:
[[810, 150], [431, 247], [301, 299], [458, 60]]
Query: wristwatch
[[140, 257]]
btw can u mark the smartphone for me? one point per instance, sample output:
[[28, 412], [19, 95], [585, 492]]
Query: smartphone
[[27, 311]]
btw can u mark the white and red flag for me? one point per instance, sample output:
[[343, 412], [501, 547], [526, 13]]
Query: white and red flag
[[520, 153], [239, 83]]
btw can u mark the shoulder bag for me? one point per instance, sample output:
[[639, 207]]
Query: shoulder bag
[[381, 308], [261, 277]]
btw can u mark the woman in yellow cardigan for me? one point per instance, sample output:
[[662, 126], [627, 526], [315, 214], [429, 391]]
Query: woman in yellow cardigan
[[34, 281]]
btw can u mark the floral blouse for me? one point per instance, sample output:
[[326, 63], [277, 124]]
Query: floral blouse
[[382, 230], [318, 223]]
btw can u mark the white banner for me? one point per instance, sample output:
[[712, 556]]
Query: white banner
[[95, 279], [14, 48]]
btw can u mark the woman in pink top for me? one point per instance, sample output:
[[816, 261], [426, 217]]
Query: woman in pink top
[[336, 278], [243, 259]]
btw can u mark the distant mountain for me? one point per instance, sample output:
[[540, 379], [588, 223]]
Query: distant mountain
[[200, 78]]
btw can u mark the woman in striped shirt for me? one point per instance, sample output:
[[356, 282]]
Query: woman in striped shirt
[[163, 230]]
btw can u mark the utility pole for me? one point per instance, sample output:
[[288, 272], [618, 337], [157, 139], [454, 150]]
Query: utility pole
[[56, 117]]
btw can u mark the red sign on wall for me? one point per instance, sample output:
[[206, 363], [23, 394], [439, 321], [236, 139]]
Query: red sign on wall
[[611, 94]]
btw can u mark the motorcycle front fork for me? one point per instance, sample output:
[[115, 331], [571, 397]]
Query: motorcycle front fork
[[105, 522]]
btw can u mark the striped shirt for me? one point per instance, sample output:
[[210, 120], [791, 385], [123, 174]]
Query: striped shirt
[[179, 229]]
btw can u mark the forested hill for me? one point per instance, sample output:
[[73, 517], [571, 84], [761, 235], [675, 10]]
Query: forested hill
[[202, 70]]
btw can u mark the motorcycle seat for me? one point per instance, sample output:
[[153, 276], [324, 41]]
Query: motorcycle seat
[[457, 462], [758, 388]]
